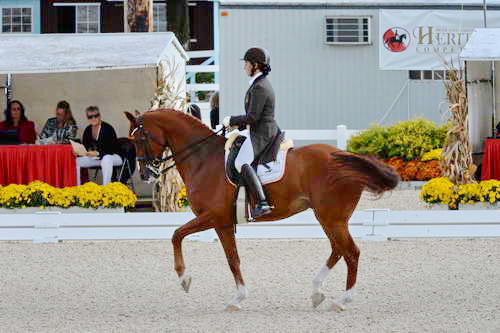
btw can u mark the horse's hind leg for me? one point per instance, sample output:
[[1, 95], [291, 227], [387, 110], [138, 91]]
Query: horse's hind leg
[[201, 223], [350, 252], [226, 236], [342, 246], [334, 221], [317, 296]]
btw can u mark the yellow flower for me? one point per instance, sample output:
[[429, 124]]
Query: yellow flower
[[432, 155], [38, 194]]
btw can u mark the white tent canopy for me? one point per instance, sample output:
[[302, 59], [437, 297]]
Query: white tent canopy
[[362, 2], [483, 45], [46, 53]]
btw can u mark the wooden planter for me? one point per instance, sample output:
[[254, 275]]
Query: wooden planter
[[479, 206], [70, 210], [437, 207]]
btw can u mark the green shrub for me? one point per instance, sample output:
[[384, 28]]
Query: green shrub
[[372, 141], [407, 139], [204, 78]]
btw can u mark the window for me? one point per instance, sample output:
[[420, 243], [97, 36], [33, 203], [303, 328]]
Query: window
[[87, 19], [76, 18], [428, 75], [159, 17], [16, 20], [347, 30]]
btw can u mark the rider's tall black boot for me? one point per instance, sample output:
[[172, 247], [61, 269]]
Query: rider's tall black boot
[[255, 187]]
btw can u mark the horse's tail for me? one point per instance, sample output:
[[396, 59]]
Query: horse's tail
[[365, 170]]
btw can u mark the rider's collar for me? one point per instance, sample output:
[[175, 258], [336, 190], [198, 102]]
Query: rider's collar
[[252, 80]]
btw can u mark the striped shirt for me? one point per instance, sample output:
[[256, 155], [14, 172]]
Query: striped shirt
[[59, 135]]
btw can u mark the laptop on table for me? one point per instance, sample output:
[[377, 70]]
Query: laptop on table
[[9, 137]]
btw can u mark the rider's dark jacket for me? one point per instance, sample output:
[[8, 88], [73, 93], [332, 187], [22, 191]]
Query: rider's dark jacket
[[259, 109]]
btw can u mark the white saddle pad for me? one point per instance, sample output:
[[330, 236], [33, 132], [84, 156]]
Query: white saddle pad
[[272, 175]]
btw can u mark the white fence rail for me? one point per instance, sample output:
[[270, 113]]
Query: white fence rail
[[341, 135], [206, 67], [201, 54], [371, 225], [202, 69], [202, 87]]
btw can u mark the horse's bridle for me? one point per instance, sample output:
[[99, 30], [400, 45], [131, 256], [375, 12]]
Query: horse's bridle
[[154, 163]]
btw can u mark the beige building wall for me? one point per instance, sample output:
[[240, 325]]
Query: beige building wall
[[113, 91]]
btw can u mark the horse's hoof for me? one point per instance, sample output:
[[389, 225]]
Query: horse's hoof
[[347, 297], [186, 283], [338, 307], [233, 308], [317, 299]]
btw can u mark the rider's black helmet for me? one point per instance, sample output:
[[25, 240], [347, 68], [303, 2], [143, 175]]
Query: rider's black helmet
[[257, 55]]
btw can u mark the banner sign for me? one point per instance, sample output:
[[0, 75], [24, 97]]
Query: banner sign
[[426, 39]]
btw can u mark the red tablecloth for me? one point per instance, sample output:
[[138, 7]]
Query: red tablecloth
[[491, 160], [52, 164]]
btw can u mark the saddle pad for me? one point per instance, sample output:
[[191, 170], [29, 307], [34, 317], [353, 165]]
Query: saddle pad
[[273, 174]]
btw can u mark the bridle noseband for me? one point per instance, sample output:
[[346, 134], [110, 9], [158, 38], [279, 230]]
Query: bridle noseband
[[154, 163]]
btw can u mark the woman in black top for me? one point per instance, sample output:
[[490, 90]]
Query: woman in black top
[[99, 138], [214, 110]]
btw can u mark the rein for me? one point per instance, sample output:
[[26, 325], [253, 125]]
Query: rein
[[145, 136]]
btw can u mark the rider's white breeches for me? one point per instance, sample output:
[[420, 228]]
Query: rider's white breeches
[[245, 156]]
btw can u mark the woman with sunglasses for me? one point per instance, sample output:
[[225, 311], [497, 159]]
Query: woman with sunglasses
[[99, 138]]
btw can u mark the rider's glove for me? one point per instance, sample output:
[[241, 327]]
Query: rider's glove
[[226, 121]]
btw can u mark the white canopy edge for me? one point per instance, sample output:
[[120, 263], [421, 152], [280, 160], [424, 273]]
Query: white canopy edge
[[49, 53], [483, 45], [359, 2]]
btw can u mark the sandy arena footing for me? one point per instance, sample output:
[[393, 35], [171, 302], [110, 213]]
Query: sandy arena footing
[[424, 285]]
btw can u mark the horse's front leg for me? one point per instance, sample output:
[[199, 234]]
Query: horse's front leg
[[226, 236], [200, 223]]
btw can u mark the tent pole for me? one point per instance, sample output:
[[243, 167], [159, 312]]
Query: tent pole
[[494, 97], [8, 88], [493, 83], [484, 13]]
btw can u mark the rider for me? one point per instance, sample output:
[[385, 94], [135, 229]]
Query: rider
[[259, 120]]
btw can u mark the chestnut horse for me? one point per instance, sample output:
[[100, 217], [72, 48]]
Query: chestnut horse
[[317, 176]]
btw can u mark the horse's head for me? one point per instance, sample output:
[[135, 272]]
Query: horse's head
[[149, 145]]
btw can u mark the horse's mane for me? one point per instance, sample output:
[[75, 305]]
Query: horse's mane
[[194, 122]]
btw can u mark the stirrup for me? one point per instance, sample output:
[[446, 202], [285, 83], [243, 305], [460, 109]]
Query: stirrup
[[261, 209]]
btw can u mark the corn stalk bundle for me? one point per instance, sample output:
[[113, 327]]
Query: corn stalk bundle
[[456, 161], [169, 94]]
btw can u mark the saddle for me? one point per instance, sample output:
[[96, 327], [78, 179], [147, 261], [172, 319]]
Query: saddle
[[267, 172], [233, 146]]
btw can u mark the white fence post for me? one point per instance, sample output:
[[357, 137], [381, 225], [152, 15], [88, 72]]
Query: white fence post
[[46, 227], [379, 220], [342, 137]]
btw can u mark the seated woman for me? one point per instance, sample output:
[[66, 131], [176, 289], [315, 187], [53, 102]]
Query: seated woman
[[15, 119], [62, 127], [99, 138]]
